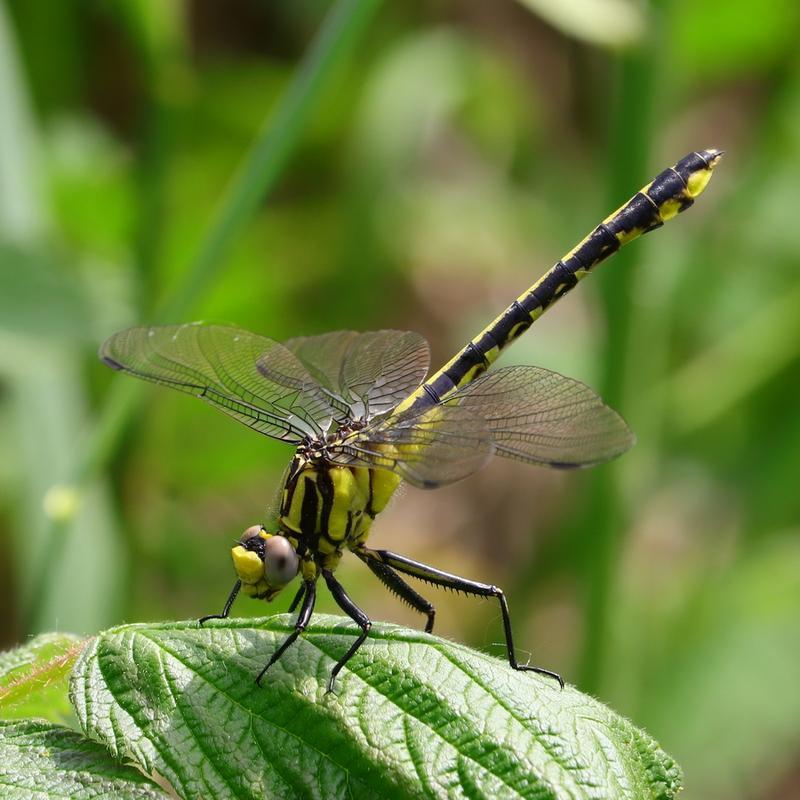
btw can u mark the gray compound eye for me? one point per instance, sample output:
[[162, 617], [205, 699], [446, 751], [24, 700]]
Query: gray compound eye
[[280, 561], [250, 533]]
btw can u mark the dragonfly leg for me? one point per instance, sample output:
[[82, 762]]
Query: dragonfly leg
[[394, 583], [297, 598], [439, 578], [227, 609], [355, 613], [307, 609]]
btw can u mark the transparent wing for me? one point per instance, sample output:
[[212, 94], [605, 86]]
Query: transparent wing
[[526, 413], [428, 448], [252, 378], [366, 374], [542, 417]]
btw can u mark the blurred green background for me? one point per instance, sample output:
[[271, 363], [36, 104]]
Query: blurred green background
[[297, 167]]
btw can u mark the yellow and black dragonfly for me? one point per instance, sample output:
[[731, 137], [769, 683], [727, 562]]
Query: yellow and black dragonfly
[[362, 417]]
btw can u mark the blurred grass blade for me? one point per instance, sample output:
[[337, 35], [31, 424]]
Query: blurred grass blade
[[632, 136], [42, 760], [609, 23], [257, 175], [737, 365], [46, 403], [21, 213], [59, 531], [262, 166], [413, 716], [33, 677]]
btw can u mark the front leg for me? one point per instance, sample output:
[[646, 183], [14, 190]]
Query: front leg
[[439, 578], [355, 613], [227, 609], [302, 622]]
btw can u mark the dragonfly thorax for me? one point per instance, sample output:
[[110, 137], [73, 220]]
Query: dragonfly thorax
[[316, 448], [328, 507]]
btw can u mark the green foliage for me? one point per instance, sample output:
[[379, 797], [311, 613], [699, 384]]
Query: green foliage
[[42, 760], [412, 716], [33, 677]]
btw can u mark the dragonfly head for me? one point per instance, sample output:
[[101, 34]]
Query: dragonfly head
[[265, 562]]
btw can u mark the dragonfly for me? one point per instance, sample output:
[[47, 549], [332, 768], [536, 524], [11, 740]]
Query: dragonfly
[[363, 417]]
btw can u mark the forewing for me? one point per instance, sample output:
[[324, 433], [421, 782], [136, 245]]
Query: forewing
[[249, 377], [542, 417], [370, 373], [428, 448]]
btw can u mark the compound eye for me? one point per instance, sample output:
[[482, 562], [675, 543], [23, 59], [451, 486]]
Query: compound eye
[[251, 533], [280, 561]]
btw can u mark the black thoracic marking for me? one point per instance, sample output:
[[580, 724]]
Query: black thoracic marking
[[368, 507], [308, 511], [349, 527], [325, 486], [291, 485], [337, 543]]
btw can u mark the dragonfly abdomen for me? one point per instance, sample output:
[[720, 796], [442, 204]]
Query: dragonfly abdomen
[[669, 193]]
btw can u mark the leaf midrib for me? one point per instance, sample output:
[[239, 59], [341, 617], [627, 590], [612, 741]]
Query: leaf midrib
[[254, 716]]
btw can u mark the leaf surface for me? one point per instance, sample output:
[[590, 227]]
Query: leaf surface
[[40, 760], [413, 716]]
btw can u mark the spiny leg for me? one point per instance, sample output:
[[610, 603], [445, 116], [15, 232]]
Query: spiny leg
[[439, 578], [389, 578], [227, 609], [310, 595], [355, 613]]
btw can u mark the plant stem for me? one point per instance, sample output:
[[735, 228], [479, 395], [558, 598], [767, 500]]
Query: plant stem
[[604, 520]]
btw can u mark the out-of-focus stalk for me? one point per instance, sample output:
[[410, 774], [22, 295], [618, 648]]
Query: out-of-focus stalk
[[604, 521], [256, 177]]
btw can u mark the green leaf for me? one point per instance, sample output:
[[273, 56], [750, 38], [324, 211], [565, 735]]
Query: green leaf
[[34, 677], [412, 716], [42, 760]]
